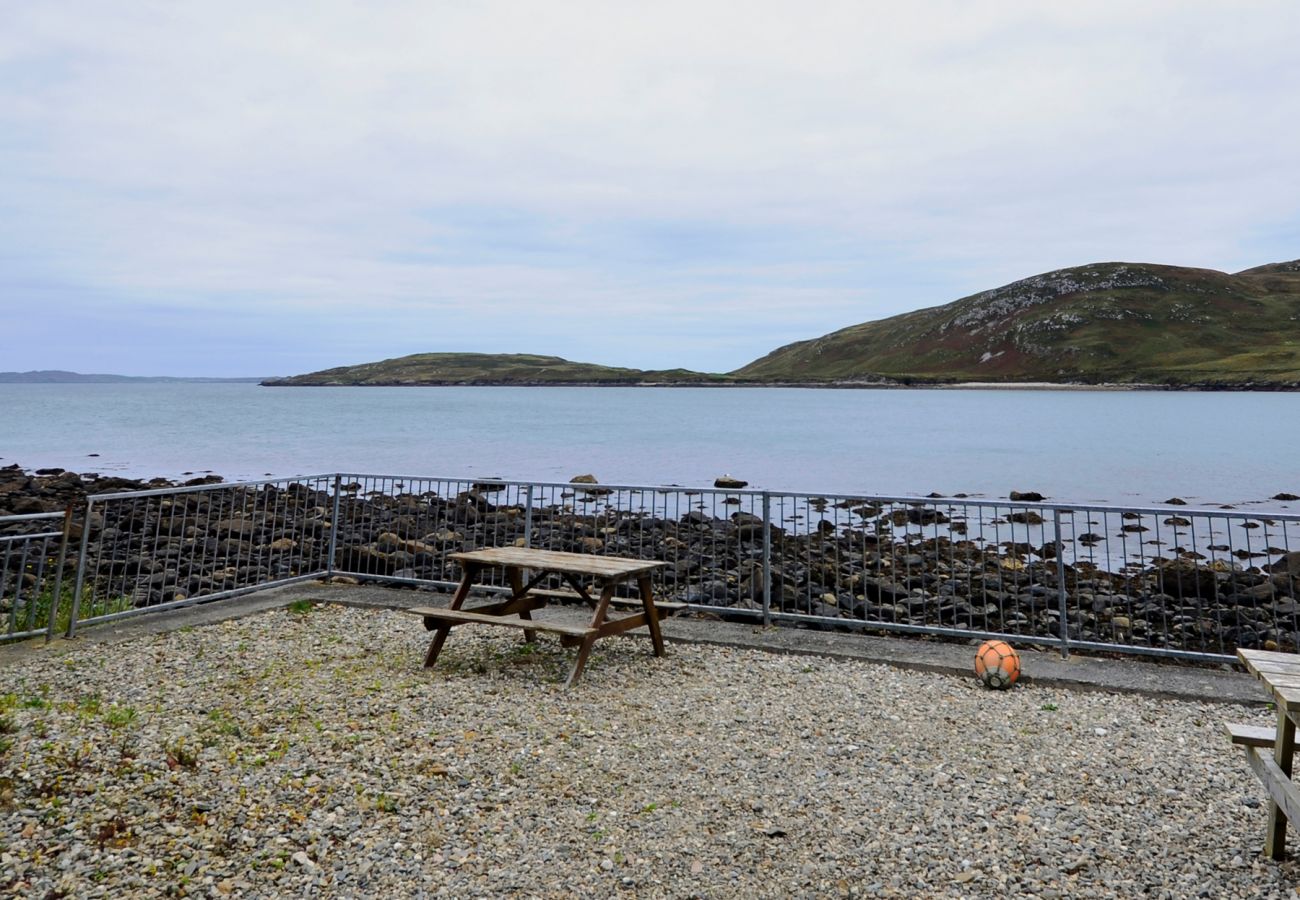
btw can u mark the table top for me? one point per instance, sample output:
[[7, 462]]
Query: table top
[[558, 561], [1279, 671]]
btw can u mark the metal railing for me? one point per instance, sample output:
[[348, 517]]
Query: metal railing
[[160, 549], [33, 548], [1162, 580]]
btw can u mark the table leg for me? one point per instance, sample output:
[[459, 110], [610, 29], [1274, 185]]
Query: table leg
[[651, 614], [442, 629], [517, 591], [1283, 750]]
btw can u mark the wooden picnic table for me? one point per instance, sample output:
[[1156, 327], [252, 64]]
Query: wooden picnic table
[[1280, 673], [526, 569]]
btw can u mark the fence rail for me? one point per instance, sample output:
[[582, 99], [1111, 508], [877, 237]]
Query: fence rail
[[1162, 580], [32, 553]]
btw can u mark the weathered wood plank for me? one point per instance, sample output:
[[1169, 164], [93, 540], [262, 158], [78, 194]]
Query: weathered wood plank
[[558, 561], [620, 625], [1285, 696], [1278, 814], [1250, 735], [1273, 668], [561, 594], [464, 617], [1279, 679]]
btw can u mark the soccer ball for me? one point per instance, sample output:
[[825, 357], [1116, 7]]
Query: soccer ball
[[997, 665]]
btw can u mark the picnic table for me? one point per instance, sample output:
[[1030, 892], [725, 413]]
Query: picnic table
[[526, 570], [1280, 673]]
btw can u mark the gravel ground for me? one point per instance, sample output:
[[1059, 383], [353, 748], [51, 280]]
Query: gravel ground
[[309, 754]]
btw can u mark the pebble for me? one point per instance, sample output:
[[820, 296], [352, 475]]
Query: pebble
[[289, 754]]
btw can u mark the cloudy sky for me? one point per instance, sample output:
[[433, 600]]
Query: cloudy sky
[[270, 188]]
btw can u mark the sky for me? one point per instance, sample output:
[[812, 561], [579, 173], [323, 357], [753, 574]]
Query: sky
[[270, 188]]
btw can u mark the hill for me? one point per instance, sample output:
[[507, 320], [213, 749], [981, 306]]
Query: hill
[[490, 368], [1103, 323]]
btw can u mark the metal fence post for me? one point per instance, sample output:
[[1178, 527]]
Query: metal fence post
[[1061, 597], [334, 526], [767, 559], [528, 515], [81, 569], [56, 600]]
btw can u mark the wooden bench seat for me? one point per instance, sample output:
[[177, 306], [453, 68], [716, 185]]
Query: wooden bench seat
[[563, 594], [1257, 742], [1250, 735], [465, 617]]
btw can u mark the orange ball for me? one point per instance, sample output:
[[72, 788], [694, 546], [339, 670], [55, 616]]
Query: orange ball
[[997, 664]]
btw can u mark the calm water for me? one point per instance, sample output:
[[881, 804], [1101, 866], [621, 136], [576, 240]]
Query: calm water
[[1071, 445]]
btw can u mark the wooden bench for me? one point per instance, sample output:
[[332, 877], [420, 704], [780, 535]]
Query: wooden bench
[[1271, 752], [526, 595], [1258, 742]]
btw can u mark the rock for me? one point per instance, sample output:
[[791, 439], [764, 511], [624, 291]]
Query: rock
[[1287, 565], [728, 483], [1029, 517], [1176, 501], [1183, 578], [1026, 497], [590, 479], [1285, 496], [204, 479], [241, 527]]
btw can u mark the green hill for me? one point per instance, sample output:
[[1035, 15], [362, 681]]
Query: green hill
[[490, 368], [1103, 323]]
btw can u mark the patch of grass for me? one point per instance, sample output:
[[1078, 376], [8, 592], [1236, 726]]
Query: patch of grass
[[70, 759], [301, 607], [224, 723], [1049, 707], [180, 756], [120, 716], [35, 612]]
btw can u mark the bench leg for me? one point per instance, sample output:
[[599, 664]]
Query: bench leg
[[435, 646], [651, 614], [1275, 840], [581, 662]]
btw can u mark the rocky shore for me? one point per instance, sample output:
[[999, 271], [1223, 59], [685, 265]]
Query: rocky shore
[[939, 564]]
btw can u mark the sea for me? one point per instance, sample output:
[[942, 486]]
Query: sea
[[1126, 447]]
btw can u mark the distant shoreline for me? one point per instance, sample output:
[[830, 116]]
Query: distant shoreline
[[831, 385]]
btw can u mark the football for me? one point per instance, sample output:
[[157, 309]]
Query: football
[[997, 664]]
